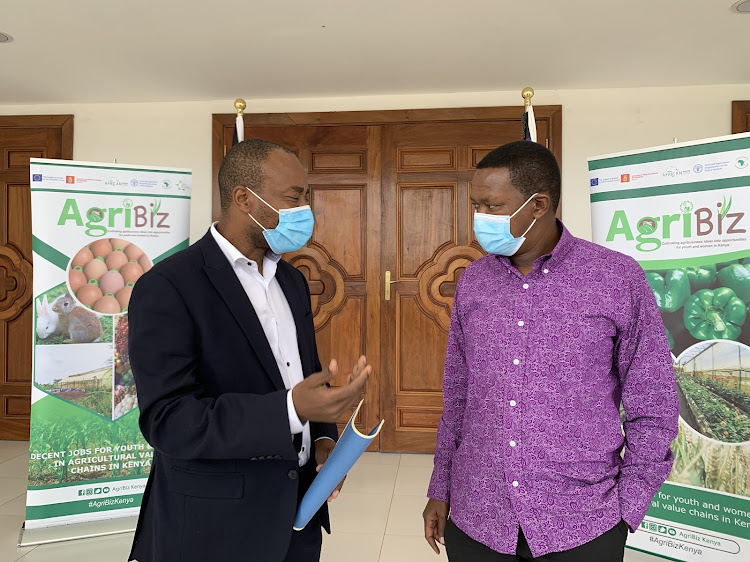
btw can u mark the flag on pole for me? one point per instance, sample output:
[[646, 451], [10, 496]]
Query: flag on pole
[[239, 127], [528, 120]]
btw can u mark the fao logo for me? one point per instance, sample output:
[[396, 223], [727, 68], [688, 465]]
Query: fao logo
[[134, 183], [698, 168], [594, 182]]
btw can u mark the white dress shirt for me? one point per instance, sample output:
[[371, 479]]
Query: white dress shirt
[[275, 316]]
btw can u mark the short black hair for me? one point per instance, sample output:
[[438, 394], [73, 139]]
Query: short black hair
[[532, 167], [243, 165]]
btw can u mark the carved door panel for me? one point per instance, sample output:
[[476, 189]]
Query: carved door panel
[[428, 242], [21, 138], [341, 261]]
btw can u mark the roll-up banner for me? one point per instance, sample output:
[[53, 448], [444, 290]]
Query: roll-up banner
[[683, 211], [96, 228]]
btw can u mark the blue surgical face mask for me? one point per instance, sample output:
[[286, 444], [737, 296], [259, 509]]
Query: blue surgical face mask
[[293, 231], [493, 232]]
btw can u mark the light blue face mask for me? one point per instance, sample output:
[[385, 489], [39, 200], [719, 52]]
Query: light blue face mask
[[493, 232], [293, 231]]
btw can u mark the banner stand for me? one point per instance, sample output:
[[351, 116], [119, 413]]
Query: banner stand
[[683, 212], [62, 533], [96, 229]]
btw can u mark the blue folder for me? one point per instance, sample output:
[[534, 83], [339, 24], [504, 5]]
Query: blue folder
[[347, 451]]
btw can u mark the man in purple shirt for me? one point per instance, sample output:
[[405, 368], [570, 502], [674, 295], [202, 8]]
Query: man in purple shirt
[[549, 334]]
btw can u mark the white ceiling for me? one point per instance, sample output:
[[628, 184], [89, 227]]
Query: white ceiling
[[80, 51]]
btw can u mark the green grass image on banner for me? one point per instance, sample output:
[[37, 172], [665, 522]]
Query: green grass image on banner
[[61, 427]]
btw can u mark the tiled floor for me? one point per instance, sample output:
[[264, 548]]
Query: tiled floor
[[377, 518]]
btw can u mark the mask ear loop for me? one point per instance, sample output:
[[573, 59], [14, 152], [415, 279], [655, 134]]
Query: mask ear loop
[[519, 209], [259, 197], [251, 216]]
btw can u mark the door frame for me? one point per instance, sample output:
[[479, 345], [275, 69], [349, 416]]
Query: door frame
[[64, 123], [550, 113], [740, 116]]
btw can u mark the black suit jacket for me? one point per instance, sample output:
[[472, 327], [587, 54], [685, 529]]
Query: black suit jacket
[[225, 480]]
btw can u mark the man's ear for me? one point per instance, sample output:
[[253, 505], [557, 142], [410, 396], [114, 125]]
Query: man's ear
[[542, 205], [242, 198]]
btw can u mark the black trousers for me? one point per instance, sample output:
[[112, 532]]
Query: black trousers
[[609, 547]]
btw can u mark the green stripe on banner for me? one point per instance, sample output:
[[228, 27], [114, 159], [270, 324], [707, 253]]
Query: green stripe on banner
[[96, 482], [656, 191], [49, 253], [181, 246], [79, 192], [651, 265], [698, 513], [66, 165], [670, 153], [86, 506]]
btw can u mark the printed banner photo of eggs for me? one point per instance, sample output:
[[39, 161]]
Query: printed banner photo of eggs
[[102, 274]]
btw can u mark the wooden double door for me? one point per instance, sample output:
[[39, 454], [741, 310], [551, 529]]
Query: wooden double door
[[393, 233]]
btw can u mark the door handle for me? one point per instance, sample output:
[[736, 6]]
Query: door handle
[[388, 283]]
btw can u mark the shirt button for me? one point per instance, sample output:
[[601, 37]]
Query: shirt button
[[512, 443], [288, 364], [520, 322], [516, 361], [525, 285], [292, 475], [512, 402], [546, 271], [515, 483]]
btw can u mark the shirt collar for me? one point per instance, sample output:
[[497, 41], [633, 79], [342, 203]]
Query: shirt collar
[[563, 247], [558, 253], [232, 254]]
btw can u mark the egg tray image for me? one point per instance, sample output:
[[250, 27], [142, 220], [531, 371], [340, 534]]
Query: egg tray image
[[102, 274]]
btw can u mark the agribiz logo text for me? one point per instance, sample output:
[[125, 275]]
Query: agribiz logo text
[[98, 220], [650, 231]]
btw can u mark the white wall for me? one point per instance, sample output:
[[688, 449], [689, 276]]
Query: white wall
[[594, 122]]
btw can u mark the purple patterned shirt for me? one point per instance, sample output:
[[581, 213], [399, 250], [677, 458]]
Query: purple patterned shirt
[[535, 370]]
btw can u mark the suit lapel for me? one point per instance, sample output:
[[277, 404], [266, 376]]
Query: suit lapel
[[224, 280]]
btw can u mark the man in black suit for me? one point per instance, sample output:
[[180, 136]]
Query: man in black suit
[[232, 395]]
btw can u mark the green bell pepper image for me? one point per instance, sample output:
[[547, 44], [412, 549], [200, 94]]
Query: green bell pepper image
[[701, 277], [722, 265], [715, 314], [670, 339], [672, 291], [737, 278]]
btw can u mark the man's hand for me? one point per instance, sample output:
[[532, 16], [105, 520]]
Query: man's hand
[[435, 517], [323, 448], [316, 401]]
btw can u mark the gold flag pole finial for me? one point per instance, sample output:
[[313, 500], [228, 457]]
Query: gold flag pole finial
[[240, 105], [527, 94]]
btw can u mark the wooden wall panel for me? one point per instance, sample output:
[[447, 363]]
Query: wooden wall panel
[[18, 160], [741, 117], [343, 162], [420, 348], [426, 223], [340, 224], [432, 159]]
